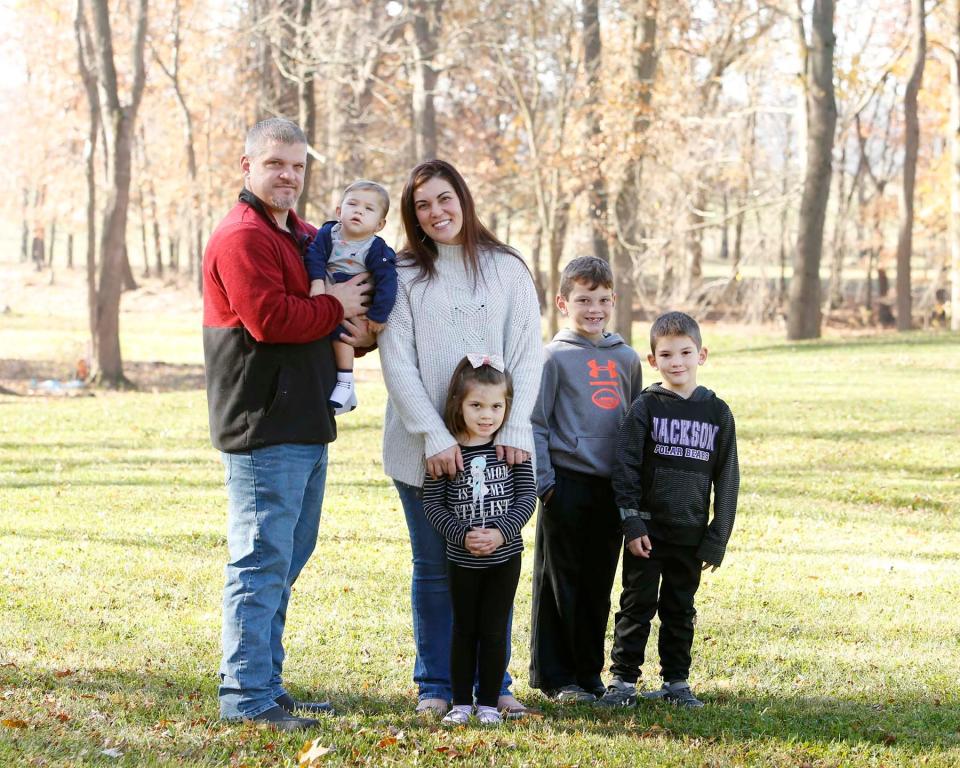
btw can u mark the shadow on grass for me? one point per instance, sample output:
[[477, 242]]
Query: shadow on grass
[[913, 723]]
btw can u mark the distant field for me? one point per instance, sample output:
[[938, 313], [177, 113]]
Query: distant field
[[830, 637]]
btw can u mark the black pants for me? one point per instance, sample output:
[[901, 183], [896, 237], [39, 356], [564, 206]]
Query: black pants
[[578, 545], [674, 571], [482, 599]]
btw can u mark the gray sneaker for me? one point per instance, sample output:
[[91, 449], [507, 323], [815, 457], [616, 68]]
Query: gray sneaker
[[574, 694], [678, 694], [618, 694]]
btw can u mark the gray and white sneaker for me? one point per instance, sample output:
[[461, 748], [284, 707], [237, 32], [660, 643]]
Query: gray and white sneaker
[[574, 694], [618, 694], [678, 694]]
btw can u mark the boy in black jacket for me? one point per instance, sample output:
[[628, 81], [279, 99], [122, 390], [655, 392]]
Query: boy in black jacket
[[676, 442]]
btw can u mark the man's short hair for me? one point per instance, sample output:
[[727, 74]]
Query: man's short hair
[[589, 270], [273, 130], [674, 324], [370, 186]]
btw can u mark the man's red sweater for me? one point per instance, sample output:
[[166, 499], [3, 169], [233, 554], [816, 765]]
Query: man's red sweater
[[269, 363]]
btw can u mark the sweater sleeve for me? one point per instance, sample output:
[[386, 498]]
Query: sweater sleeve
[[726, 488], [249, 268], [315, 258], [523, 358], [523, 503], [627, 465], [435, 509], [401, 374], [540, 421], [382, 263]]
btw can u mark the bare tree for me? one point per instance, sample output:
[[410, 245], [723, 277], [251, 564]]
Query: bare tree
[[423, 48], [86, 60], [955, 169], [643, 69], [911, 147], [596, 184], [119, 121], [803, 320], [172, 71]]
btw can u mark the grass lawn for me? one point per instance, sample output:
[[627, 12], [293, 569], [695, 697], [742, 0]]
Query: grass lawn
[[830, 637]]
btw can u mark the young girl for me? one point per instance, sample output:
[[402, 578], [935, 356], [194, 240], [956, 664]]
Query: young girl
[[480, 513]]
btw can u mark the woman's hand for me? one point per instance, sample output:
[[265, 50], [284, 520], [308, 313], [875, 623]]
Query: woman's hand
[[447, 462], [512, 455]]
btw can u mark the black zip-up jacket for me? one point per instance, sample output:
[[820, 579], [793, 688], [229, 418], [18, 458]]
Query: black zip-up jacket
[[669, 453]]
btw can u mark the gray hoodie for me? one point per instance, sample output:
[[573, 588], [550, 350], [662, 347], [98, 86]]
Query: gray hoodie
[[585, 391]]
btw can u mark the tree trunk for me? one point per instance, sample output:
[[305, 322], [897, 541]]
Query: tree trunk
[[803, 320], [25, 230], [143, 231], [835, 300], [561, 217], [693, 244], [69, 250], [643, 55], [119, 123], [955, 169], [53, 241], [910, 149], [306, 102], [597, 191], [426, 25]]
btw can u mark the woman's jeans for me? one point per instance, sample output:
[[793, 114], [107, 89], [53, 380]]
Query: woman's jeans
[[430, 596], [274, 495]]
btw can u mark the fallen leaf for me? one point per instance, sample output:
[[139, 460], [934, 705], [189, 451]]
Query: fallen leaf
[[889, 739], [12, 722], [112, 752], [312, 751], [64, 672], [63, 717], [448, 751], [387, 741]]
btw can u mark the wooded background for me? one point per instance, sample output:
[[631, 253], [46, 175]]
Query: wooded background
[[754, 161]]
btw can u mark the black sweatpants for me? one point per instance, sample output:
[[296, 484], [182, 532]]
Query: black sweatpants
[[674, 572], [578, 545], [482, 599]]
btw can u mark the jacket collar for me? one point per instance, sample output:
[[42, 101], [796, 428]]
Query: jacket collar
[[295, 226]]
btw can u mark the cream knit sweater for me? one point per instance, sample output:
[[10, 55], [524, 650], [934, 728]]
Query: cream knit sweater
[[432, 326]]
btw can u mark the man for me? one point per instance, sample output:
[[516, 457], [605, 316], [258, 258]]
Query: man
[[269, 369]]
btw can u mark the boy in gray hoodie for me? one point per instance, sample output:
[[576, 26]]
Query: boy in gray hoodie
[[590, 377]]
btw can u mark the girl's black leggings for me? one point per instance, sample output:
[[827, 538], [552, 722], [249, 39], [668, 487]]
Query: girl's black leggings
[[482, 599]]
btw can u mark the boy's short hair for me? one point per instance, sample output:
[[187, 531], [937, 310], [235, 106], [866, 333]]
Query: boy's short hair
[[370, 186], [674, 324], [590, 270]]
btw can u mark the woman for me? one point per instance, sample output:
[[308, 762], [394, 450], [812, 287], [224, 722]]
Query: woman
[[460, 290]]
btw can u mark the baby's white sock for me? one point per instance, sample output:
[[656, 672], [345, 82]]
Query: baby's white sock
[[344, 397]]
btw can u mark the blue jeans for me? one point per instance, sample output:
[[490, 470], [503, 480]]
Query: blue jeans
[[430, 596], [274, 495]]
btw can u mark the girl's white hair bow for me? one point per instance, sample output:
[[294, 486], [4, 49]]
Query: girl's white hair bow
[[479, 358]]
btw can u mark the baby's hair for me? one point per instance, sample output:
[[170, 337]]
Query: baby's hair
[[588, 270], [464, 377], [370, 186], [674, 324]]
